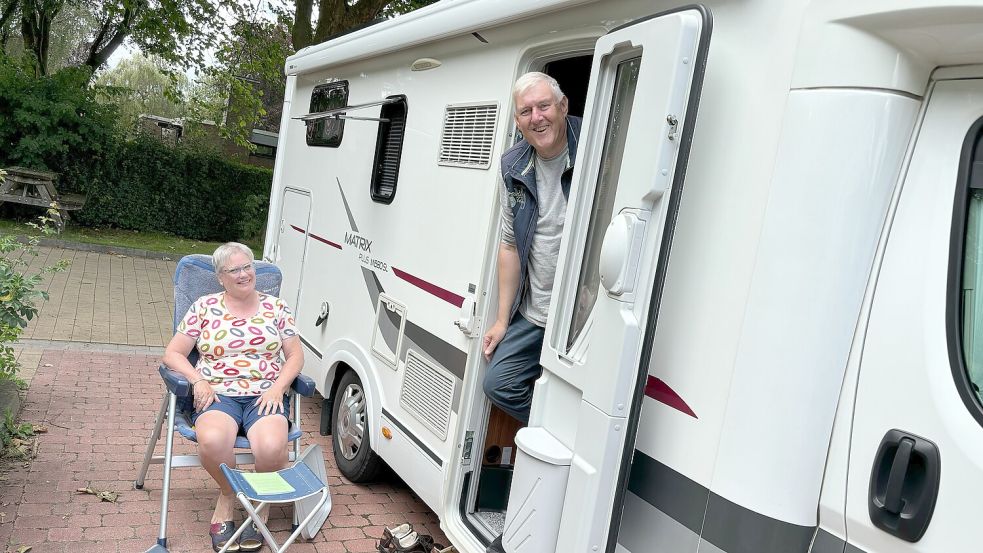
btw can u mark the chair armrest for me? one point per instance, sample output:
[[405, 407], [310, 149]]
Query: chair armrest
[[303, 385], [175, 382]]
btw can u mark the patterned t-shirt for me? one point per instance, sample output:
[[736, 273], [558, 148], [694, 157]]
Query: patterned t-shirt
[[239, 357]]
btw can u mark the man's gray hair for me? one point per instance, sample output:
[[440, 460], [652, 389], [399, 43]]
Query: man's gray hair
[[224, 252], [533, 78]]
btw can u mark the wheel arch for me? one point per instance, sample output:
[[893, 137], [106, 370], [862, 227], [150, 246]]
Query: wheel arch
[[346, 355]]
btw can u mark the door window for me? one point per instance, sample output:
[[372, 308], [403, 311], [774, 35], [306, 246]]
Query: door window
[[588, 285], [972, 277]]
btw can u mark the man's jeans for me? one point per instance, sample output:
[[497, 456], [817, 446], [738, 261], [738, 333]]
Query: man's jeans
[[514, 367]]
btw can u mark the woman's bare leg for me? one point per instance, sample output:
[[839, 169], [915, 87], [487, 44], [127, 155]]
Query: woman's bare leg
[[268, 440], [216, 437]]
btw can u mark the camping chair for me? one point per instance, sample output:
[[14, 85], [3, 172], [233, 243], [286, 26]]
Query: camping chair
[[195, 277]]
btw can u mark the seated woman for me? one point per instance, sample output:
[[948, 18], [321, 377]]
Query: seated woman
[[250, 354]]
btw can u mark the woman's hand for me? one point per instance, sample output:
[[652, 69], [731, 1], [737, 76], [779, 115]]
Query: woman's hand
[[271, 401], [204, 395]]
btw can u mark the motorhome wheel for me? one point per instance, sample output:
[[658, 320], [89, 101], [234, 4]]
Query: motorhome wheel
[[352, 452]]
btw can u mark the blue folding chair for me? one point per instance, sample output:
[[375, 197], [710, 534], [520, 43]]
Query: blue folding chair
[[195, 277]]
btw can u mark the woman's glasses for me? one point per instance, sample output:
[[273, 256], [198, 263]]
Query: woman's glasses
[[234, 271]]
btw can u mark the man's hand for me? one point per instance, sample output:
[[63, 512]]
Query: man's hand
[[493, 337]]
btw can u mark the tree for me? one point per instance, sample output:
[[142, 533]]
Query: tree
[[141, 85], [338, 16], [180, 32]]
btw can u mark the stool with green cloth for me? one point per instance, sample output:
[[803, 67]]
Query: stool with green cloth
[[302, 484]]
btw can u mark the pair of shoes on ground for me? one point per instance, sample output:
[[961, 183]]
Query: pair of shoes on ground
[[403, 539], [249, 540]]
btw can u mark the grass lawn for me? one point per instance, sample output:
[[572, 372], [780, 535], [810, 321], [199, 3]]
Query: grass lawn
[[169, 244]]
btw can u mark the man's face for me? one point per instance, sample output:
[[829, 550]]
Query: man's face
[[542, 120]]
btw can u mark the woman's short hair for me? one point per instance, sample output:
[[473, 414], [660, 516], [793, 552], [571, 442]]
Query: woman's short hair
[[531, 79], [224, 252]]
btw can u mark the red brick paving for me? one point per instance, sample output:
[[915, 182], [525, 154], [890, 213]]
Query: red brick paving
[[99, 410]]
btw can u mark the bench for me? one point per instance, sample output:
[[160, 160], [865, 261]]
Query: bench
[[37, 188]]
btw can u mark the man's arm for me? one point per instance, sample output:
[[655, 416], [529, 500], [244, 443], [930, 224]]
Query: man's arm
[[508, 285]]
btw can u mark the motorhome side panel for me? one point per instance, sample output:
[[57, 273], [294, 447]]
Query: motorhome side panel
[[396, 274]]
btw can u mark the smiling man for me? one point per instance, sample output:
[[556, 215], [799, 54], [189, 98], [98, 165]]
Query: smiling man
[[535, 184]]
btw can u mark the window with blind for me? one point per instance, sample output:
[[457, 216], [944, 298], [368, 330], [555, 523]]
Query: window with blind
[[388, 150]]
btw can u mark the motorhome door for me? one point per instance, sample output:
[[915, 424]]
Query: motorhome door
[[916, 454], [638, 125], [291, 244]]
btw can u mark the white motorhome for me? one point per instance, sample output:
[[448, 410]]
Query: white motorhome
[[764, 335]]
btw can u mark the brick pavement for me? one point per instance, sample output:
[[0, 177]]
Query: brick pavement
[[91, 370]]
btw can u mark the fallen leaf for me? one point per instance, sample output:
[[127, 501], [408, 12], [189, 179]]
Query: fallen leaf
[[107, 496], [38, 429], [24, 549], [47, 365]]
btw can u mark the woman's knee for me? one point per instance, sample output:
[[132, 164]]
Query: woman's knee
[[268, 438], [215, 433]]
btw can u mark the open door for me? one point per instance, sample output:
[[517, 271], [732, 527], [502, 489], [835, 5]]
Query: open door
[[638, 124]]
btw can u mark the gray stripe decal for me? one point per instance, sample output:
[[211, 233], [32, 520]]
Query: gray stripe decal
[[344, 200], [737, 529], [310, 346], [827, 543], [727, 525], [438, 350], [668, 491], [430, 453], [645, 529]]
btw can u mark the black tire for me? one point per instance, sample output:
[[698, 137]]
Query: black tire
[[350, 432]]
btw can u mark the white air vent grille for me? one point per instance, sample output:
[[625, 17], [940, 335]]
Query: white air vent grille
[[469, 135], [427, 393]]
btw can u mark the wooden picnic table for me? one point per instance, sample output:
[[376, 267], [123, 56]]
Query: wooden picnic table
[[37, 188]]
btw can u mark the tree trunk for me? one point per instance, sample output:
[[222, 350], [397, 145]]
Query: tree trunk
[[36, 17], [102, 48], [5, 18], [333, 17], [302, 33]]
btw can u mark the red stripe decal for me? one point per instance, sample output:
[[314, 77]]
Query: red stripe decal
[[316, 237], [661, 392], [446, 295]]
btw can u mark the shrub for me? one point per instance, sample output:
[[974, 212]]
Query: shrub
[[185, 191], [54, 123], [18, 291]]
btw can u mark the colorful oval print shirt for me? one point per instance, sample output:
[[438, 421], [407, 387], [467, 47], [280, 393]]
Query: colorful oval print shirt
[[239, 357]]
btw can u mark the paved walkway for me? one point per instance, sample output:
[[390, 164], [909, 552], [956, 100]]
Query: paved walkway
[[92, 372]]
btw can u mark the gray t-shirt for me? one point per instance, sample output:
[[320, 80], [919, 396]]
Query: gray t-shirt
[[546, 240]]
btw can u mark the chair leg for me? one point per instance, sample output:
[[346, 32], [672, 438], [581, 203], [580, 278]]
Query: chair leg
[[296, 448], [152, 445], [168, 453]]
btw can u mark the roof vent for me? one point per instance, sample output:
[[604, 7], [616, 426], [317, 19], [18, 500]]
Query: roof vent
[[468, 137]]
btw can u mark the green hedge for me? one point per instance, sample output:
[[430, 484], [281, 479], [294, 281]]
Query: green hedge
[[189, 192], [56, 123]]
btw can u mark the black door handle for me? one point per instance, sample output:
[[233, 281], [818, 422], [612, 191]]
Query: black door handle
[[904, 485]]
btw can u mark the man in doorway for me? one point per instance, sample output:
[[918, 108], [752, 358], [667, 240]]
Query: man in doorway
[[535, 184]]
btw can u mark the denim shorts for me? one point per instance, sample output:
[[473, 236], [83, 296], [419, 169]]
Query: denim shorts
[[243, 410]]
